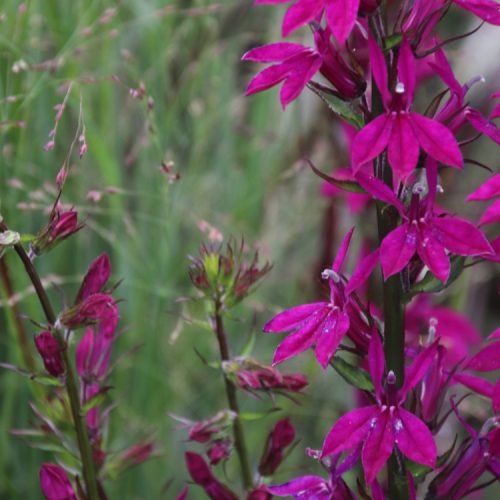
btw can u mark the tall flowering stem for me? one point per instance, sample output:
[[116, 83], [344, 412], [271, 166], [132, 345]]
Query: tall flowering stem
[[232, 399], [88, 469]]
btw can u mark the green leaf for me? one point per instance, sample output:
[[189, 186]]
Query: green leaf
[[350, 186], [339, 107], [430, 284], [247, 350], [353, 375], [27, 238], [40, 378], [392, 41]]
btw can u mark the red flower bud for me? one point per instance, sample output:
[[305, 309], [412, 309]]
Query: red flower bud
[[219, 450], [55, 483], [279, 438], [96, 277], [48, 347]]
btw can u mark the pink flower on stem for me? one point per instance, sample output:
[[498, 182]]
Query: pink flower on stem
[[340, 15], [322, 323], [50, 351], [202, 475], [296, 65], [488, 10], [429, 235], [55, 483], [220, 449], [401, 131], [96, 277], [387, 424]]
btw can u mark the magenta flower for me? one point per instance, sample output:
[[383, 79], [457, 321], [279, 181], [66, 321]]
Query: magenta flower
[[220, 449], [295, 65], [278, 439], [55, 483], [382, 426], [50, 351], [340, 15], [322, 323], [430, 236], [400, 130], [202, 475]]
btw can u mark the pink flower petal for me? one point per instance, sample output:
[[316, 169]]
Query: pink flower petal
[[371, 140], [397, 248], [437, 140], [267, 78], [413, 438], [495, 400], [486, 360], [292, 318], [483, 125], [407, 70], [476, 384], [378, 446], [362, 272], [298, 78], [491, 215], [379, 70], [489, 10], [343, 249], [349, 430], [300, 14], [296, 486], [433, 254], [486, 191], [300, 340], [332, 332], [461, 237], [274, 52], [379, 190], [340, 17], [403, 151]]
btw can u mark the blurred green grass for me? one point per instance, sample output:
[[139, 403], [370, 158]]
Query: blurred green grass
[[237, 159]]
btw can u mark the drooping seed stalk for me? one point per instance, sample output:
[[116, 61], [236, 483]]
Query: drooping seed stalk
[[88, 469], [232, 399]]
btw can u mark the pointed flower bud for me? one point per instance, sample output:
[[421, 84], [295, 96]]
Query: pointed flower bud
[[279, 438], [219, 450], [48, 347], [55, 483], [60, 226], [96, 277]]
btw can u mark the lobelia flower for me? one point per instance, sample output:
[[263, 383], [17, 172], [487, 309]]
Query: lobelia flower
[[278, 439], [295, 65], [96, 277], [60, 226], [259, 493], [429, 235], [55, 483], [401, 131], [387, 424], [135, 455], [322, 323], [318, 488], [340, 15], [50, 351], [202, 475]]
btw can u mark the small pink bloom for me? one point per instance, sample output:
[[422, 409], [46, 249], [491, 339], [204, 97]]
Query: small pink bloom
[[97, 275], [48, 348], [55, 483], [219, 450]]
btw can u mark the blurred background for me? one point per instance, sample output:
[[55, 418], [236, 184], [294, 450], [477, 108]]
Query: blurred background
[[175, 148]]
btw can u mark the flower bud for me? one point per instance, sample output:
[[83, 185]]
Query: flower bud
[[279, 438], [55, 483], [48, 348], [96, 277], [89, 311], [60, 226], [218, 450]]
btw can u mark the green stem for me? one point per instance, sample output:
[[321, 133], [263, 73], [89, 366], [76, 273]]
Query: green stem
[[88, 469], [232, 399], [392, 291]]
